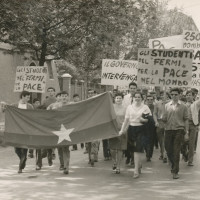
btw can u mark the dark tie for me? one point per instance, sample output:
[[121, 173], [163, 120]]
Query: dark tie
[[131, 99]]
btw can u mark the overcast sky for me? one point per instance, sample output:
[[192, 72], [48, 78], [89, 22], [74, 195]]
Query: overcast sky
[[189, 7]]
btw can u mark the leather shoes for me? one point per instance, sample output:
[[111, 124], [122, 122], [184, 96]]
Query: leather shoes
[[38, 168], [23, 163], [175, 176], [117, 171], [164, 160], [19, 171], [65, 171], [127, 161], [136, 175], [92, 163], [190, 164], [148, 159]]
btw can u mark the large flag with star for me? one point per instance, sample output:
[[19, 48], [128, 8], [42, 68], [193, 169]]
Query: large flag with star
[[85, 121]]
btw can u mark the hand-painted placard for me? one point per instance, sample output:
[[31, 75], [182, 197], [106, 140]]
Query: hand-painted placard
[[171, 42], [118, 72], [30, 78], [191, 40], [167, 67]]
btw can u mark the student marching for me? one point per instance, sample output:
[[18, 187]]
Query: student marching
[[170, 116]]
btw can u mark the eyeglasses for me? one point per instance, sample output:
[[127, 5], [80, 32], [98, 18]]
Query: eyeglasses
[[149, 99], [174, 94]]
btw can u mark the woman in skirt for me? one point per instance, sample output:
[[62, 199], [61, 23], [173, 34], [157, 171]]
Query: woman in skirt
[[118, 144], [136, 114]]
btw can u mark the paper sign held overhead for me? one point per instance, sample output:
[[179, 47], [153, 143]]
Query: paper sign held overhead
[[118, 72], [164, 67], [171, 42], [30, 78]]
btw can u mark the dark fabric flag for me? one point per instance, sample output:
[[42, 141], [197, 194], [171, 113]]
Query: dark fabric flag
[[85, 121]]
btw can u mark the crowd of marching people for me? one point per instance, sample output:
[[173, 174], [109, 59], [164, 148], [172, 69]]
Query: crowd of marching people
[[146, 120]]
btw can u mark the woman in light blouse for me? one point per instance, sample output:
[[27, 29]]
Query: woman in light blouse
[[136, 118]]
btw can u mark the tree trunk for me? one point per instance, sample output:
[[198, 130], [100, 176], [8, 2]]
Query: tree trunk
[[44, 49]]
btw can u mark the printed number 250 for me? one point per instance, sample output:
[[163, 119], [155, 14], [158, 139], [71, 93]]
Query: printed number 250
[[192, 36]]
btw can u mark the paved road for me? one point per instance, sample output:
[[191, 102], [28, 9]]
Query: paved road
[[97, 183]]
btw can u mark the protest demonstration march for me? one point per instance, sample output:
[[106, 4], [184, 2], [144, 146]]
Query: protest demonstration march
[[99, 99]]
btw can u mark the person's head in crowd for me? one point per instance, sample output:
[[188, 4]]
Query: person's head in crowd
[[161, 96], [25, 96], [152, 93], [58, 97], [114, 92], [181, 92], [36, 103], [144, 95], [164, 96], [149, 100], [64, 97], [175, 94], [118, 98], [190, 95], [51, 91], [90, 93], [132, 88], [138, 97], [195, 92], [168, 96], [76, 98]]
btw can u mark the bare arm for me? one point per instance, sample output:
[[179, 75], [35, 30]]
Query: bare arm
[[124, 126]]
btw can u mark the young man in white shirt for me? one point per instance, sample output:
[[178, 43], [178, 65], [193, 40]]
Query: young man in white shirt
[[128, 99], [22, 152]]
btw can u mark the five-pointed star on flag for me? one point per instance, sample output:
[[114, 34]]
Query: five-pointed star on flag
[[63, 134]]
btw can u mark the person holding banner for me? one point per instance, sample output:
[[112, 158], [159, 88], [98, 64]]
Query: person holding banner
[[64, 152], [53, 106], [36, 105], [22, 152], [136, 117], [92, 147], [176, 128], [50, 98], [118, 144]]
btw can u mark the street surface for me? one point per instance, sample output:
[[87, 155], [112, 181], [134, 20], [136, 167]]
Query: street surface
[[96, 183]]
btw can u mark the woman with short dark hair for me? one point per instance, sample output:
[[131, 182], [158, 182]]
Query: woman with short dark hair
[[136, 116]]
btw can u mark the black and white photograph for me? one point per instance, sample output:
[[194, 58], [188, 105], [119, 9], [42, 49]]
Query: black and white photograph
[[99, 99]]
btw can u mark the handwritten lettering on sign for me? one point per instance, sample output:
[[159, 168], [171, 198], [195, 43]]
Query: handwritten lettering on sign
[[118, 72], [172, 42], [30, 78], [191, 40], [164, 67]]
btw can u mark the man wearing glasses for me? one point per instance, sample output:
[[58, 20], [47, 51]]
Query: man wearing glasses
[[176, 128]]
